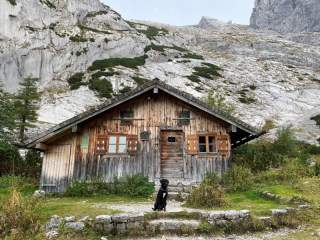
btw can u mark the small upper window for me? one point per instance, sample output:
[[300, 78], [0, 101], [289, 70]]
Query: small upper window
[[171, 139], [126, 117], [184, 118], [207, 144]]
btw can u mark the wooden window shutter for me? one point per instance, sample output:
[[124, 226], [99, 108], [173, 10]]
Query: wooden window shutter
[[101, 145], [223, 144], [192, 144], [132, 144]]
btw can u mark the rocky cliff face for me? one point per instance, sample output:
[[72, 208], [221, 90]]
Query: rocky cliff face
[[266, 76], [286, 15]]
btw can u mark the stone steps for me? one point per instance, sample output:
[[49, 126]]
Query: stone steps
[[173, 225]]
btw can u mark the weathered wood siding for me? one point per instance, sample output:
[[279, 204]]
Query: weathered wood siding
[[58, 164], [152, 113]]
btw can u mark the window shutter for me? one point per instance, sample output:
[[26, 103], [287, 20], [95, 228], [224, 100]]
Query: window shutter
[[101, 145], [192, 144], [132, 144], [223, 144]]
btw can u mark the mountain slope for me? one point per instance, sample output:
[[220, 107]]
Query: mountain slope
[[286, 15], [83, 50]]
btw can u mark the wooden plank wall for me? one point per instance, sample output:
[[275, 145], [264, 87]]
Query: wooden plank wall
[[151, 112]]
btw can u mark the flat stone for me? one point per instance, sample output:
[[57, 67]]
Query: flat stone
[[304, 206], [54, 223], [39, 194], [120, 218], [136, 217], [279, 211], [232, 214], [85, 219], [221, 222], [103, 219], [70, 219], [52, 234], [76, 226], [216, 214], [244, 213], [103, 238], [173, 224]]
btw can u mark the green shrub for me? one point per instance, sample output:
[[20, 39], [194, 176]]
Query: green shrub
[[78, 38], [194, 78], [102, 87], [316, 119], [48, 3], [193, 56], [75, 81], [23, 184], [135, 186], [161, 48], [317, 169], [20, 216], [139, 81], [238, 178], [113, 62], [209, 71], [125, 89], [104, 74], [12, 2], [209, 194], [216, 100]]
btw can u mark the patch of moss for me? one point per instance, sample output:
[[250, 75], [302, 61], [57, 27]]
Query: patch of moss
[[139, 81], [125, 90], [209, 71], [83, 51], [161, 48], [78, 38], [102, 87], [193, 56], [151, 32], [247, 100], [113, 62], [12, 2], [104, 74], [317, 119], [194, 78], [94, 14], [75, 81], [86, 28]]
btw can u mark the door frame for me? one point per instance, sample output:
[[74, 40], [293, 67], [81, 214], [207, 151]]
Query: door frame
[[172, 129]]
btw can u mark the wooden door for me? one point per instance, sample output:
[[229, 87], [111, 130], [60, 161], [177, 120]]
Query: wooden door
[[56, 168], [171, 143]]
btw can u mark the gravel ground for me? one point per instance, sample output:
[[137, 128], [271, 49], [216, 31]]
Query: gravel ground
[[263, 236]]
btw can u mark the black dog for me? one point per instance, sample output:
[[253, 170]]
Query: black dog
[[161, 201]]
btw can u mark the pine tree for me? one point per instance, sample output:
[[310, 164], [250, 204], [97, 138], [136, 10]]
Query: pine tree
[[26, 106], [7, 116]]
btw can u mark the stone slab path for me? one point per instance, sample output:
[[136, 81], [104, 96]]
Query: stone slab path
[[172, 206]]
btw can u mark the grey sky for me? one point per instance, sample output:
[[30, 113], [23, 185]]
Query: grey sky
[[183, 12]]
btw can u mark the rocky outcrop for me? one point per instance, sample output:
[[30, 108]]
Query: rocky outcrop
[[286, 15], [266, 76]]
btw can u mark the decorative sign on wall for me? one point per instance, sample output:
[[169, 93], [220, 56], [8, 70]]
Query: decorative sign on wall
[[145, 136]]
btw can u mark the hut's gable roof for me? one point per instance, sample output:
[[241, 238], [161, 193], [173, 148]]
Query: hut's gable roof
[[183, 96]]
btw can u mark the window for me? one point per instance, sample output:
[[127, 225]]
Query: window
[[207, 144], [117, 144], [184, 118], [85, 141], [171, 139], [126, 117]]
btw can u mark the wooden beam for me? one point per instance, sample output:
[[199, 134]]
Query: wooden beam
[[41, 146]]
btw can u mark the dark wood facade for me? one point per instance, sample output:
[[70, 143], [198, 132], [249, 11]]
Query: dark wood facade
[[155, 134]]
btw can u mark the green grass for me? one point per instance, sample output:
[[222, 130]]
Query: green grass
[[151, 32], [86, 28], [113, 62]]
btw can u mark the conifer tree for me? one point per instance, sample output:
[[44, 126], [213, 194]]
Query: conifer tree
[[7, 116], [26, 106]]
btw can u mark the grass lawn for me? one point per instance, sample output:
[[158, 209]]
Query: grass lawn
[[80, 207]]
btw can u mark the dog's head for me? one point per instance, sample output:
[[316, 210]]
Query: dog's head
[[164, 183]]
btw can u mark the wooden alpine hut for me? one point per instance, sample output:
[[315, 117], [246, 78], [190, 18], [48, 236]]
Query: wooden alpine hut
[[155, 130]]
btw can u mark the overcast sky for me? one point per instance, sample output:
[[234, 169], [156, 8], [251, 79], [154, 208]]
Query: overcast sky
[[183, 12]]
